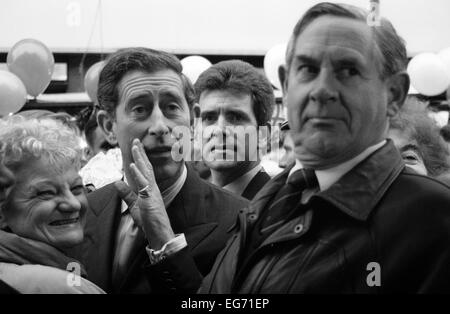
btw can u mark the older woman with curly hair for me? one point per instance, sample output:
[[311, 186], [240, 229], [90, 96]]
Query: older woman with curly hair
[[43, 214], [417, 137]]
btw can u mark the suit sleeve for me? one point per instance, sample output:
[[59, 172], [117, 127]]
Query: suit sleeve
[[177, 274]]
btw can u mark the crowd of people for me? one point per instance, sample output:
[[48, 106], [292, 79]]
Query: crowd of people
[[173, 196]]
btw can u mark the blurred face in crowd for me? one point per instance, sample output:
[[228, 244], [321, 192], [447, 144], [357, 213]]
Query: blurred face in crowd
[[225, 115], [150, 106], [337, 102], [409, 150], [288, 156], [46, 204]]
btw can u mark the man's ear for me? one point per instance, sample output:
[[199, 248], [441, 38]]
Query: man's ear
[[398, 86], [106, 122], [282, 76]]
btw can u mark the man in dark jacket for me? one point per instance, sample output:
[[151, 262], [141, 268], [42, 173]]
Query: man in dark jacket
[[182, 222], [235, 102], [348, 217]]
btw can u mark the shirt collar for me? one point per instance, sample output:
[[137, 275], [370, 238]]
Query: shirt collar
[[330, 176], [239, 185], [168, 194]]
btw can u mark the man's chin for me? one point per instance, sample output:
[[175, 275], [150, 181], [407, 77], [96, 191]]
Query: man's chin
[[221, 165], [164, 171]]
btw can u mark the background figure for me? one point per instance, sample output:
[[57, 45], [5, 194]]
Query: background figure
[[43, 215], [417, 137], [287, 158], [235, 100]]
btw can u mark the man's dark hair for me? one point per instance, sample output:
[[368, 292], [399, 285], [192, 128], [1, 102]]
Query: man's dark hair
[[240, 77], [391, 46], [140, 59]]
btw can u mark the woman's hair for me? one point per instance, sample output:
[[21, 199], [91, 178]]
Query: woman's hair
[[421, 128], [64, 117], [24, 139]]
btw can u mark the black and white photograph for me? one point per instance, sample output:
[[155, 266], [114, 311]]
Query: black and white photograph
[[221, 155]]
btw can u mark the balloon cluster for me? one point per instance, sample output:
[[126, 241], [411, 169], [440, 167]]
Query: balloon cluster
[[30, 64], [430, 72]]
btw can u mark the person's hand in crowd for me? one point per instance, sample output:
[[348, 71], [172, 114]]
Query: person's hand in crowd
[[147, 208]]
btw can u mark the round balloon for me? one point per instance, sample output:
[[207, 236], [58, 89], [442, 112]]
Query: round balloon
[[275, 57], [428, 74], [193, 66], [91, 79], [13, 94], [33, 63]]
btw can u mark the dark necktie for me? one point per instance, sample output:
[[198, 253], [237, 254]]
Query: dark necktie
[[288, 197], [284, 202]]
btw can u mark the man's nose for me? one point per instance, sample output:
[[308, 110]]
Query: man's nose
[[158, 125], [221, 127], [69, 203], [324, 90]]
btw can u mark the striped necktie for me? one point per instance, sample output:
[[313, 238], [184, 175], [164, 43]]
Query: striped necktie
[[288, 197]]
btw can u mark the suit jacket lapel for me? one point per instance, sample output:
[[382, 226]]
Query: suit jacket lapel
[[100, 234]]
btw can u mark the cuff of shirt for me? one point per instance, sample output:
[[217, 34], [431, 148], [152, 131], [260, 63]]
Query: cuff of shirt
[[173, 246]]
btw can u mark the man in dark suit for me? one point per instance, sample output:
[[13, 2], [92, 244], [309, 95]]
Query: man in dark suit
[[348, 217], [236, 103], [184, 223]]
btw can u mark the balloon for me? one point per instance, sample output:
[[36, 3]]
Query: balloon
[[13, 94], [275, 57], [428, 74], [445, 57], [91, 79], [33, 63], [193, 66]]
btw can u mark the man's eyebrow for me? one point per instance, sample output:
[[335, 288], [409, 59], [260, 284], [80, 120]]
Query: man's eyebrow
[[348, 60], [171, 93], [208, 111], [305, 59]]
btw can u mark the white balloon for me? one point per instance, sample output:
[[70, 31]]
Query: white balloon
[[193, 66], [428, 74], [275, 57], [445, 57]]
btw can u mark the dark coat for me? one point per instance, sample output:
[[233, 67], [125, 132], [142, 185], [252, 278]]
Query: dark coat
[[202, 211], [6, 289], [256, 184], [378, 212]]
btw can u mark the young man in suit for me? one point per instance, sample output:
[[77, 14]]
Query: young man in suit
[[348, 217], [234, 99], [144, 97]]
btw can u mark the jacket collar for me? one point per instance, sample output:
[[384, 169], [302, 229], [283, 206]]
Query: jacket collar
[[359, 190]]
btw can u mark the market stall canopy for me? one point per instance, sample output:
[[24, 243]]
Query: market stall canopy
[[249, 27]]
